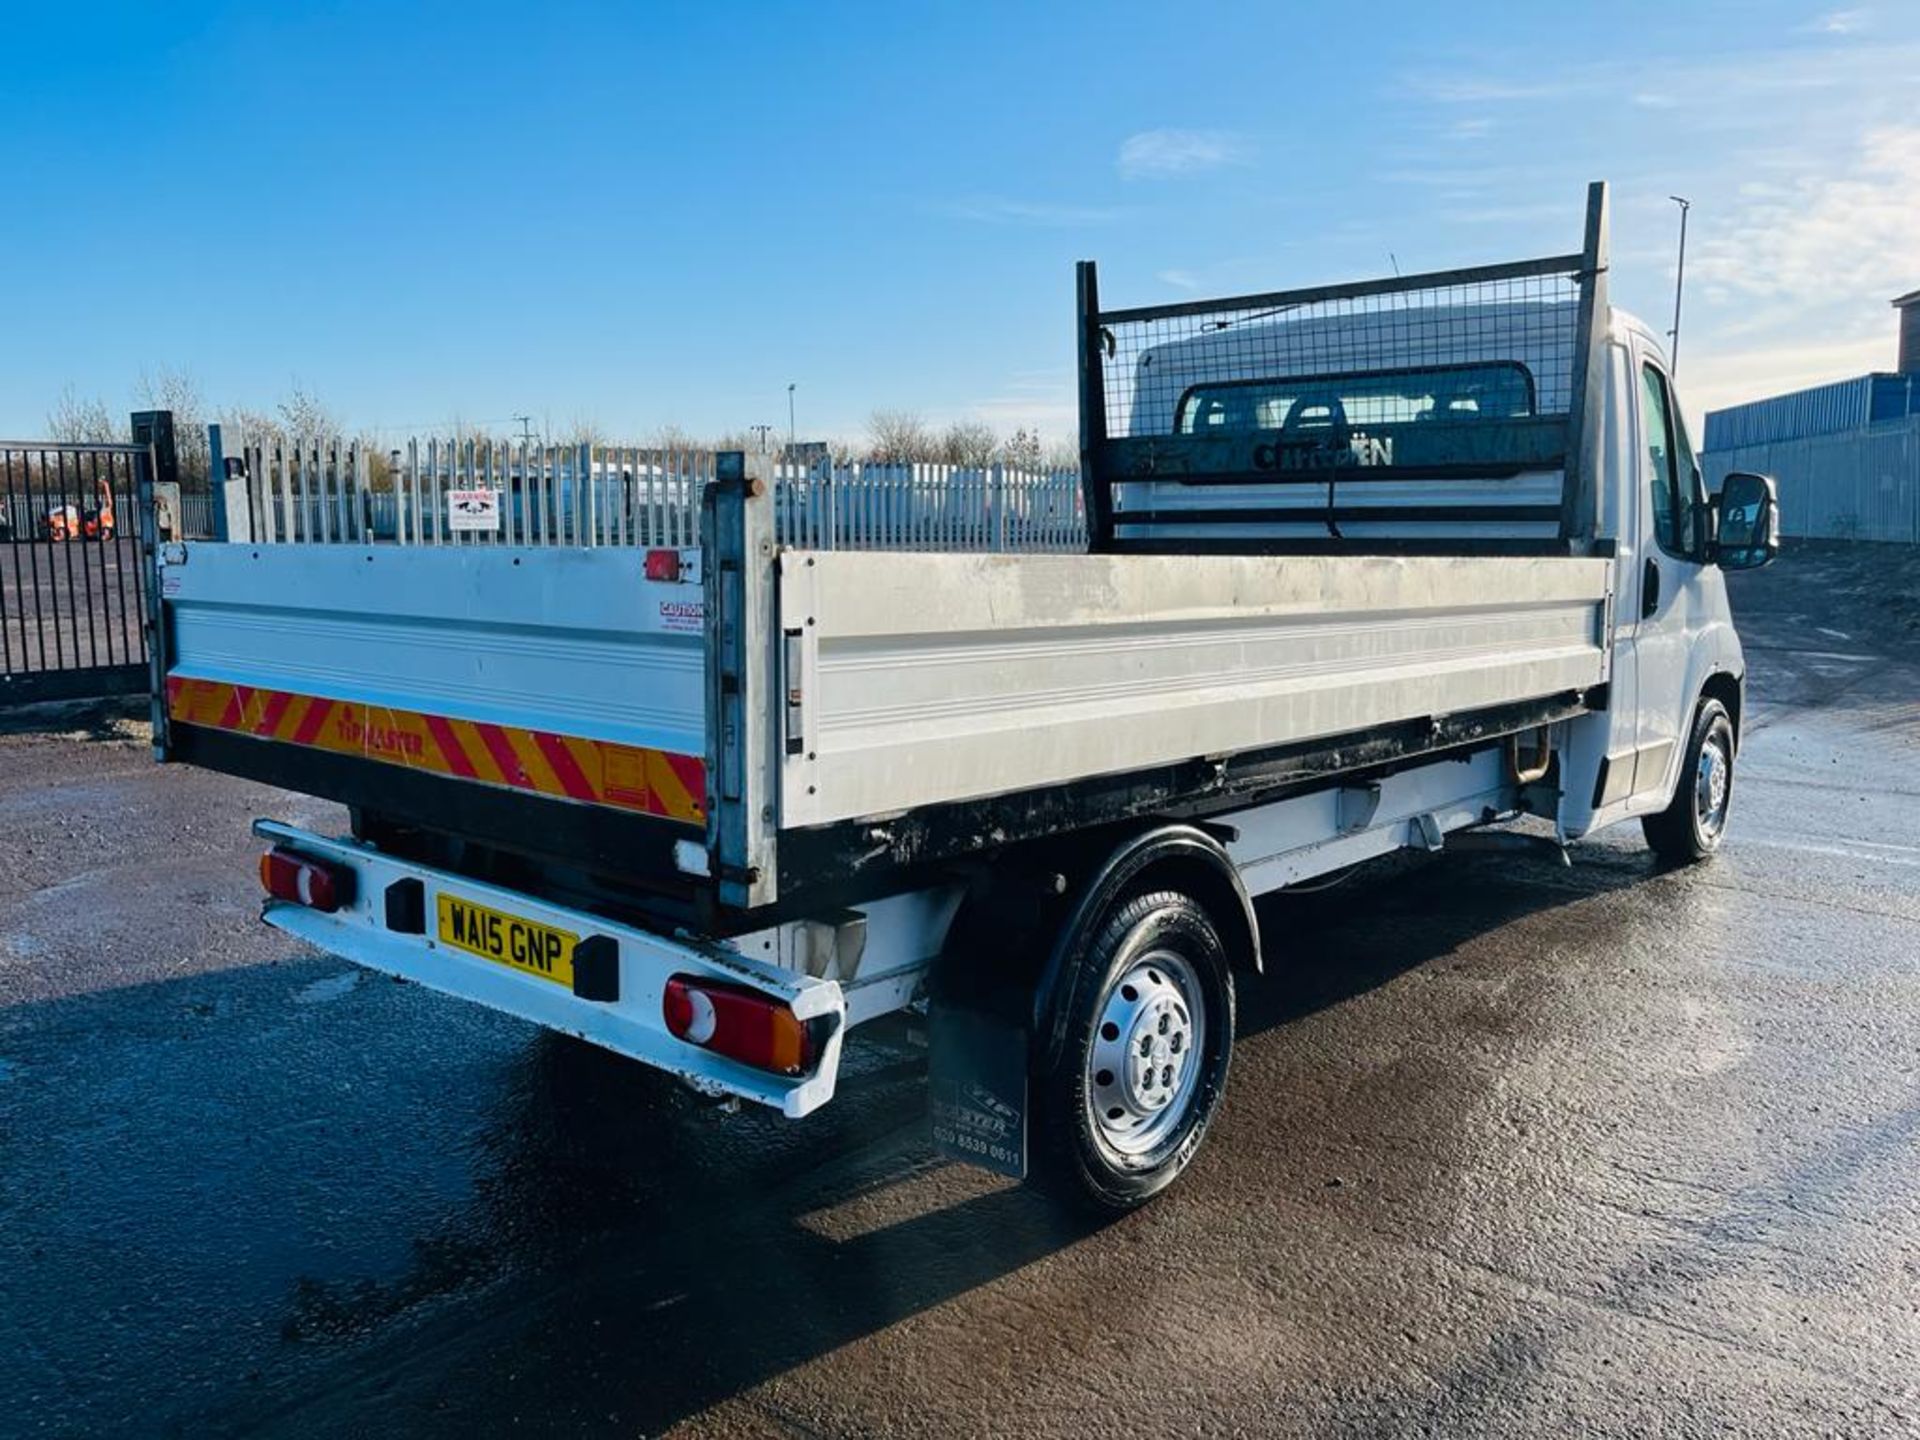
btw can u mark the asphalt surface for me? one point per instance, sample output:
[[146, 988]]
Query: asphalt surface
[[69, 606], [1508, 1150]]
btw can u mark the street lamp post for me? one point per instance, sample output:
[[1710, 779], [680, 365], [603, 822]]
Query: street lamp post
[[1679, 279], [790, 432]]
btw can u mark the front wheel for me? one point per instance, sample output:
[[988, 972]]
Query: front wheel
[[1120, 1113], [1695, 820]]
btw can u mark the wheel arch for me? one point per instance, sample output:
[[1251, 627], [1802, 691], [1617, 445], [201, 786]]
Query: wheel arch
[[1171, 856], [1717, 683], [1730, 690]]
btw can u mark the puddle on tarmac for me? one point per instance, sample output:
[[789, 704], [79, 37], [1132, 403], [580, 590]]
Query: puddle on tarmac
[[331, 988]]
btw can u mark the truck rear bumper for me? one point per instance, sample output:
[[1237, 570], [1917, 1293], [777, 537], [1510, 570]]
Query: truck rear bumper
[[633, 1025]]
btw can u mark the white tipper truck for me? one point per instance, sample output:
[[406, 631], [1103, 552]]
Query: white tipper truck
[[1370, 566]]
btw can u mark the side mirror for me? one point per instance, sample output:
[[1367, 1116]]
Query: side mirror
[[1746, 522]]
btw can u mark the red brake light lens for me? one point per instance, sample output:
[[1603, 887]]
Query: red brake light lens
[[663, 565], [300, 881], [739, 1023]]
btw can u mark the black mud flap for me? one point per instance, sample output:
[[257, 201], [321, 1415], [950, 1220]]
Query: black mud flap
[[977, 1080], [981, 1022]]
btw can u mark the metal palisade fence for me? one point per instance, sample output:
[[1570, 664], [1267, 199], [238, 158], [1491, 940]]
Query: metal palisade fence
[[1859, 484], [478, 492], [73, 589]]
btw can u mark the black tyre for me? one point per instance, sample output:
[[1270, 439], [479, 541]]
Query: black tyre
[[1695, 820], [1149, 1038]]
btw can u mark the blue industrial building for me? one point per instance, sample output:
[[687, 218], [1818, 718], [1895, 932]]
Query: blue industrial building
[[1847, 455]]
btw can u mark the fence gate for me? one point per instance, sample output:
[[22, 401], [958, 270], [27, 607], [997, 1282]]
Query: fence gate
[[73, 582]]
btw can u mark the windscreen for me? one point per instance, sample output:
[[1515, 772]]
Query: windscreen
[[1382, 397]]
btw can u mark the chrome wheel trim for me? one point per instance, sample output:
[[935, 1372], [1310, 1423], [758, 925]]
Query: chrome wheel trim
[[1713, 784], [1149, 1046]]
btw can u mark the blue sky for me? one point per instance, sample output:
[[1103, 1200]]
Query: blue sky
[[647, 215]]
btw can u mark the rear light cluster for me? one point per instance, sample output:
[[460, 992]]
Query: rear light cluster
[[663, 565], [300, 881], [739, 1023]]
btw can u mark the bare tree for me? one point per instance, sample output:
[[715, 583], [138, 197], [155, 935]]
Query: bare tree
[[896, 436], [582, 430], [1023, 449], [305, 417], [747, 440], [970, 443], [167, 388], [82, 421], [1061, 455], [464, 430], [376, 465], [673, 438], [241, 426]]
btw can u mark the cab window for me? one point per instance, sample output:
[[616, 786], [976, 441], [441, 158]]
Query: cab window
[[1491, 390], [1691, 493], [1672, 475]]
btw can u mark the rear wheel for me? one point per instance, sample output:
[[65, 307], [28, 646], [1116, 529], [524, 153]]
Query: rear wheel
[[1695, 820], [1149, 1035]]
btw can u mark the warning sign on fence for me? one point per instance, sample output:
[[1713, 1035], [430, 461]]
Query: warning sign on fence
[[473, 510]]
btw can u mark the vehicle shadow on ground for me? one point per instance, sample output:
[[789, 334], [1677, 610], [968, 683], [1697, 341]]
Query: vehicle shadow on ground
[[668, 1261], [86, 720], [1324, 947]]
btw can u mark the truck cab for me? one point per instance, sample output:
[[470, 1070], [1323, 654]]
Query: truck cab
[[1510, 413], [1673, 639]]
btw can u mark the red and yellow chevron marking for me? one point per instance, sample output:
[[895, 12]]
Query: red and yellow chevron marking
[[596, 772]]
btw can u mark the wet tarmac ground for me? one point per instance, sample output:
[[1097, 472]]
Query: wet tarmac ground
[[1508, 1150]]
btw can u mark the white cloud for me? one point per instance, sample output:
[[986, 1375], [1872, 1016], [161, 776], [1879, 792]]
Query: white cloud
[[999, 210], [1793, 281], [1513, 214], [1459, 181], [1853, 233], [1714, 379], [1037, 400], [1802, 157], [1489, 90], [1161, 154], [1476, 127], [1843, 22], [1730, 83], [1179, 279]]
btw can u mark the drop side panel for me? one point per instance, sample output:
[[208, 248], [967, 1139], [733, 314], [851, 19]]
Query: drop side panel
[[931, 678]]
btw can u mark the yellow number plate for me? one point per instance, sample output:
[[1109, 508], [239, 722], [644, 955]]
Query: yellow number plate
[[518, 944]]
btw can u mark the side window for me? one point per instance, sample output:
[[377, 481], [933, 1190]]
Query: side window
[[1691, 494], [1662, 472]]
